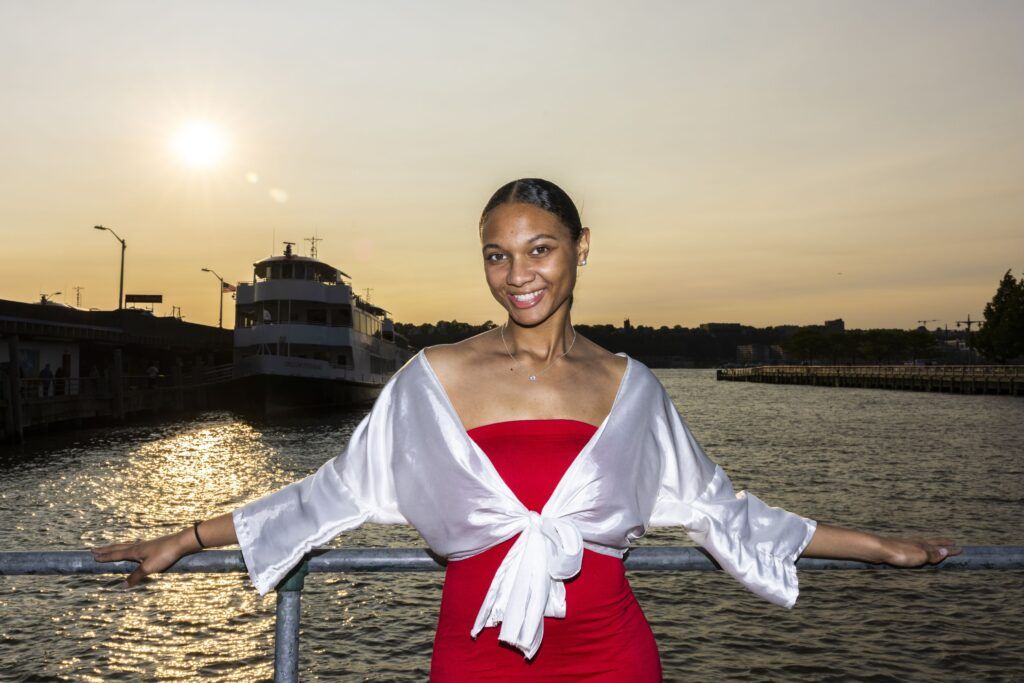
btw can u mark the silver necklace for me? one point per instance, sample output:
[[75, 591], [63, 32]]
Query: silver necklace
[[533, 377]]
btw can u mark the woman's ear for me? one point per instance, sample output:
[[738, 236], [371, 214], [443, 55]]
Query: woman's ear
[[584, 247]]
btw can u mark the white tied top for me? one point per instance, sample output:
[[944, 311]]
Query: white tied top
[[411, 461]]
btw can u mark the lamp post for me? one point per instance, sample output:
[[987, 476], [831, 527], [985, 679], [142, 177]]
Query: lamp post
[[220, 320], [120, 290]]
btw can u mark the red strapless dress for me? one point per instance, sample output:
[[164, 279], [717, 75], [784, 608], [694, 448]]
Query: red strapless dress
[[604, 635]]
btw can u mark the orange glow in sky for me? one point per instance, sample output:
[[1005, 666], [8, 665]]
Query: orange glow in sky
[[761, 163]]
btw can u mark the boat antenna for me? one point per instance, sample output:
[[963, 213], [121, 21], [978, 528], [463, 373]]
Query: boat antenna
[[312, 244]]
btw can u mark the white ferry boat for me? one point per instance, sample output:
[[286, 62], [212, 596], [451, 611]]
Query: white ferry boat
[[303, 338]]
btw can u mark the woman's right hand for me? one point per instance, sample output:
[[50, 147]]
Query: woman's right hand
[[153, 556], [917, 552]]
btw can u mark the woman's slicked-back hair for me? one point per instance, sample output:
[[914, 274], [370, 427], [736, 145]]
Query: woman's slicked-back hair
[[541, 193]]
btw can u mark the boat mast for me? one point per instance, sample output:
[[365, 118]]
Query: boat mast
[[312, 244]]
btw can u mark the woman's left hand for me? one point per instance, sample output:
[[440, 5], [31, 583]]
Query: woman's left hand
[[916, 552]]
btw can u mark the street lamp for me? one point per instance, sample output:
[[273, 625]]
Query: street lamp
[[220, 321], [120, 291]]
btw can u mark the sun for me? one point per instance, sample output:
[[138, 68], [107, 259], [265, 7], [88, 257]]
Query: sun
[[199, 144]]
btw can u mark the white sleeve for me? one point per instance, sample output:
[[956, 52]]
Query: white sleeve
[[755, 543], [352, 488]]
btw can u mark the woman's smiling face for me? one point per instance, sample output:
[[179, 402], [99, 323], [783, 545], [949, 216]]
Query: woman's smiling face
[[530, 260]]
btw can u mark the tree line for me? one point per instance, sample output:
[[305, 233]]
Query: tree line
[[1000, 339], [703, 348]]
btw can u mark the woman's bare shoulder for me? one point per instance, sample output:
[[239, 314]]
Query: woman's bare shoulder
[[610, 362], [450, 360]]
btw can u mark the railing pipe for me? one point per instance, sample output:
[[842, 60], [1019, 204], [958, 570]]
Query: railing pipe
[[658, 558]]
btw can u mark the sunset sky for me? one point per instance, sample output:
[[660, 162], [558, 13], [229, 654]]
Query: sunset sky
[[756, 162]]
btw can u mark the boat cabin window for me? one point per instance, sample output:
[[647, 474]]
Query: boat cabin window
[[341, 317], [292, 270]]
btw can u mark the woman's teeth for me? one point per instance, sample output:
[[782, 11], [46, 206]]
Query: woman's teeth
[[528, 299]]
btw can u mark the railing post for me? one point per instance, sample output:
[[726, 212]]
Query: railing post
[[286, 632]]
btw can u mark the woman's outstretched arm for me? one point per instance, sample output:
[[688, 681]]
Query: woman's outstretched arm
[[157, 554], [838, 543]]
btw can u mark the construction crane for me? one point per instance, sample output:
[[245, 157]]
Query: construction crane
[[968, 324]]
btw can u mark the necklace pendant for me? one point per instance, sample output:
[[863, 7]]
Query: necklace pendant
[[533, 377]]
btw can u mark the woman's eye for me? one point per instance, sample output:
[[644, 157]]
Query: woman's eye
[[495, 257]]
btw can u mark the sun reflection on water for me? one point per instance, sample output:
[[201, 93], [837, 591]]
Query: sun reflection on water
[[172, 481], [178, 626]]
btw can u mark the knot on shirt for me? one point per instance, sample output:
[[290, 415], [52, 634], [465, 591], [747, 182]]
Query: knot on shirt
[[528, 585], [563, 544]]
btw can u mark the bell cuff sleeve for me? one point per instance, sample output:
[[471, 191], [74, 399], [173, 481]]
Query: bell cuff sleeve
[[755, 543], [354, 487]]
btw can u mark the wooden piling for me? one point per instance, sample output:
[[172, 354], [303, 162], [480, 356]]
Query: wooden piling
[[15, 420], [117, 379]]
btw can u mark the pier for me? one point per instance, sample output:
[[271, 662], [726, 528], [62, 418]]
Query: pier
[[65, 366], [956, 379], [289, 591]]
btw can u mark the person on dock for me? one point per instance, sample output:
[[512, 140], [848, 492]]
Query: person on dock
[[531, 458], [46, 375], [152, 375]]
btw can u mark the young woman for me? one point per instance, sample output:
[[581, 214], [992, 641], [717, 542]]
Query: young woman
[[530, 457]]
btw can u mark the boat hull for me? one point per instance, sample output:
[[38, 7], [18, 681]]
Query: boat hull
[[280, 394]]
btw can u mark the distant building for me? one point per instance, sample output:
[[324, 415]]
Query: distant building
[[626, 325], [749, 354], [76, 341], [836, 325], [718, 328]]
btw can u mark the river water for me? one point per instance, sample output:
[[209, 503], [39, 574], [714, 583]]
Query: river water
[[890, 462]]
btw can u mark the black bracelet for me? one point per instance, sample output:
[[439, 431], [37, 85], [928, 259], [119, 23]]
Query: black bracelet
[[195, 528]]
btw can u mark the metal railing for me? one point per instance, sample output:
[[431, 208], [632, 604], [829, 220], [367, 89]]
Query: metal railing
[[58, 387], [289, 591]]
